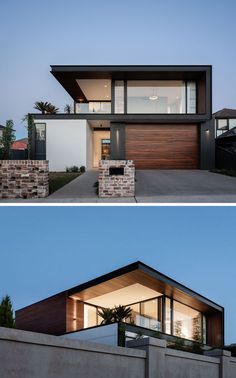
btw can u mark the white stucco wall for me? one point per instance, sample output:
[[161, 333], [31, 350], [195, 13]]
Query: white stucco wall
[[89, 137], [66, 143]]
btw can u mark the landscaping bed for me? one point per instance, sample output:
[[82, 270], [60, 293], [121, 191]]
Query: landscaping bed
[[58, 179]]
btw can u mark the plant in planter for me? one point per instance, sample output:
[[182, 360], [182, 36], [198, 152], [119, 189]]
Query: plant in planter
[[107, 315], [121, 313]]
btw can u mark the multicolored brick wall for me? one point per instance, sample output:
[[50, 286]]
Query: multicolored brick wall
[[24, 179], [116, 185]]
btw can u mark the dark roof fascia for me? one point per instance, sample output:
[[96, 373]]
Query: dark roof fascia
[[130, 118], [151, 271], [128, 68]]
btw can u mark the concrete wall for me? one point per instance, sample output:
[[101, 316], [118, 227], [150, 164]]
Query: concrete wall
[[163, 362], [66, 143], [33, 355]]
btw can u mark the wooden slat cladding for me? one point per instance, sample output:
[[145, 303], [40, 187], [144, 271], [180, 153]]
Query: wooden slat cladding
[[163, 146], [47, 316]]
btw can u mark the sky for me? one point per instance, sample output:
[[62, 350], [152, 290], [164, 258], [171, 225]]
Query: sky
[[45, 250], [35, 35]]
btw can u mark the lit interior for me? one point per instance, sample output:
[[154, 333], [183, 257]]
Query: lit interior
[[125, 296], [96, 89]]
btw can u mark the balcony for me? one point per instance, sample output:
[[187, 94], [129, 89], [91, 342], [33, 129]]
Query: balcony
[[94, 107]]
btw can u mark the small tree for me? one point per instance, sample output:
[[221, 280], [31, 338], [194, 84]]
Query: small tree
[[6, 140], [6, 313]]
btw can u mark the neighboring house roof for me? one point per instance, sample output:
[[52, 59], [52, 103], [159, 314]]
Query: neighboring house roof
[[2, 127], [20, 144], [225, 113]]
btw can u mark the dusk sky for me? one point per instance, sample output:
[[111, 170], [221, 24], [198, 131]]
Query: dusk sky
[[46, 250], [34, 35]]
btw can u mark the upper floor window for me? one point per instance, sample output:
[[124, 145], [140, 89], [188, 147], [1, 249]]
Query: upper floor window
[[161, 97], [223, 125]]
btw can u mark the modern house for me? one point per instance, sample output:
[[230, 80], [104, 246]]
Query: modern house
[[225, 120], [158, 116], [225, 132], [159, 304]]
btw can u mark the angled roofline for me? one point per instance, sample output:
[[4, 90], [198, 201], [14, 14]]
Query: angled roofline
[[127, 269], [149, 270], [225, 113]]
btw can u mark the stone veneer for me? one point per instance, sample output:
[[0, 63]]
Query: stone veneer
[[24, 179], [116, 185]]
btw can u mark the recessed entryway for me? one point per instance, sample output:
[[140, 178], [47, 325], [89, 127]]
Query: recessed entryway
[[101, 146]]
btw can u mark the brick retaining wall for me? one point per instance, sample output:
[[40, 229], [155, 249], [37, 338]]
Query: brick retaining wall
[[112, 185], [24, 179]]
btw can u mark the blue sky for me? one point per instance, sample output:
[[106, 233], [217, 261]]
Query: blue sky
[[46, 250], [34, 35]]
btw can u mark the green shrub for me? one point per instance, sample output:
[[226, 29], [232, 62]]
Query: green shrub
[[74, 169], [82, 169]]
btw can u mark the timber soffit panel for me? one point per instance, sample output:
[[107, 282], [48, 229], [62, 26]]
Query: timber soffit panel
[[67, 75], [140, 272]]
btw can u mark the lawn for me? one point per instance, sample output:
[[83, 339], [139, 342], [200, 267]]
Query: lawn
[[58, 179]]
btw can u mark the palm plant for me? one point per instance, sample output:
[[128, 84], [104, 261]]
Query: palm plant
[[122, 313], [67, 109], [41, 106], [107, 315], [51, 109]]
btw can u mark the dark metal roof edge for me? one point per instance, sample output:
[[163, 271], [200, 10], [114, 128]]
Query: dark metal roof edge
[[56, 68]]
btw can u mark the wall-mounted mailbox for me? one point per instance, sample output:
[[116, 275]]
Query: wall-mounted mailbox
[[116, 171]]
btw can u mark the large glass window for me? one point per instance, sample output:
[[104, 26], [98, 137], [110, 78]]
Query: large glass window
[[156, 96], [191, 97], [167, 316], [119, 96], [187, 322], [149, 315], [90, 316]]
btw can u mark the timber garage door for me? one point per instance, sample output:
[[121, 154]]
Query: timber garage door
[[162, 146]]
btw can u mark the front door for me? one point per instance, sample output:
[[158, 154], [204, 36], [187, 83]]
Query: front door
[[105, 149], [101, 146]]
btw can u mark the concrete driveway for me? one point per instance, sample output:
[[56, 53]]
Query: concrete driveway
[[184, 186], [152, 186]]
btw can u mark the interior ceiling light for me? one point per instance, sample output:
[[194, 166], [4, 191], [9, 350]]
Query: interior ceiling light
[[105, 86], [153, 97]]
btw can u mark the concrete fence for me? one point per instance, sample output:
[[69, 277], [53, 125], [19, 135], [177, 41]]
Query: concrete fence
[[24, 179], [32, 355]]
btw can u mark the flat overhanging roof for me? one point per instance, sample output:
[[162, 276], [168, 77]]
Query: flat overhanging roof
[[139, 273], [67, 75]]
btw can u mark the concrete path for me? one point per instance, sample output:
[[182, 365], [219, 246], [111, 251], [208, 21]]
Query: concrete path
[[81, 187], [152, 186]]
